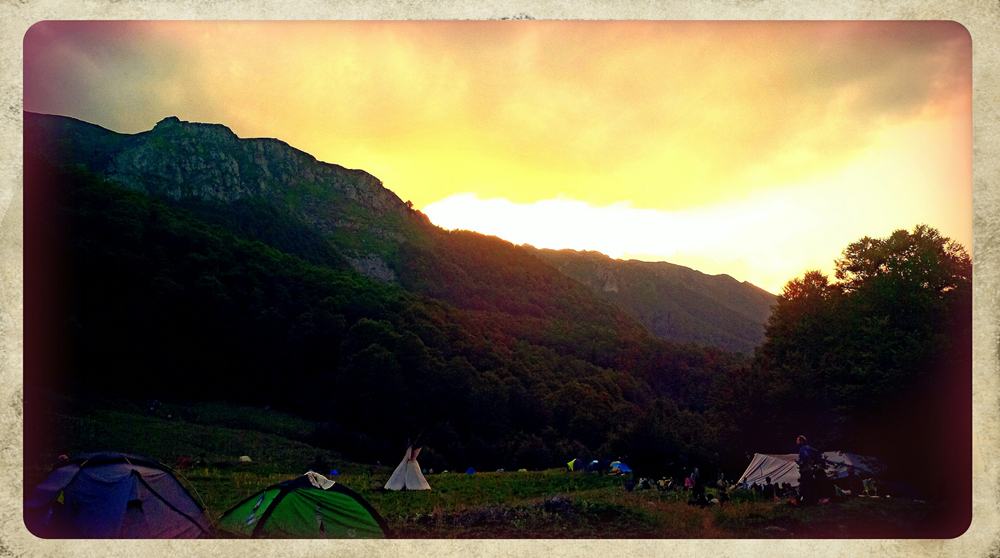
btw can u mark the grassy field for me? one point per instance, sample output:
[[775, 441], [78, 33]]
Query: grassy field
[[534, 504]]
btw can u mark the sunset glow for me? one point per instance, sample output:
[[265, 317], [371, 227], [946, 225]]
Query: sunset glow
[[756, 149]]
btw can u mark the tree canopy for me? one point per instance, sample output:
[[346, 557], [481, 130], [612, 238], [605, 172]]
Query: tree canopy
[[877, 361]]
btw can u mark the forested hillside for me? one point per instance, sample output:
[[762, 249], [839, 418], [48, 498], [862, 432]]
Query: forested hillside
[[672, 301]]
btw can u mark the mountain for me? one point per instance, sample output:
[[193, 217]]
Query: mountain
[[228, 179], [187, 262], [675, 302]]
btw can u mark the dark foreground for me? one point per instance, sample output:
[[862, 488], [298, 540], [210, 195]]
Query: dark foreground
[[535, 504]]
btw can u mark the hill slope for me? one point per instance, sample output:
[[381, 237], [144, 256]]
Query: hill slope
[[675, 302]]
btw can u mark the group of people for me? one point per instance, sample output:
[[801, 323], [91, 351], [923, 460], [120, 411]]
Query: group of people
[[814, 483], [769, 491]]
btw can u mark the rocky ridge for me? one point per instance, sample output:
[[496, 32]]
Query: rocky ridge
[[182, 160]]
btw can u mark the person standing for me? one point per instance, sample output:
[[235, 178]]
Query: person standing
[[809, 462], [768, 490]]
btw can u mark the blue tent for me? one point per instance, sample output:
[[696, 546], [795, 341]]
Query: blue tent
[[110, 496], [619, 467], [470, 471]]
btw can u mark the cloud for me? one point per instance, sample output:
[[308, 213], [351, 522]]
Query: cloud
[[711, 109], [672, 116], [768, 237]]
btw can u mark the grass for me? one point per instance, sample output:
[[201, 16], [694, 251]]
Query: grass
[[533, 504]]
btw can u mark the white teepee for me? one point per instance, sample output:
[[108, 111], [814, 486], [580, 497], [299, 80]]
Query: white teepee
[[407, 475]]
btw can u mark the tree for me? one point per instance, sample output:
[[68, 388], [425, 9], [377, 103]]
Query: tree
[[870, 363]]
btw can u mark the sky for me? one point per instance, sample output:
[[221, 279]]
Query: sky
[[755, 149]]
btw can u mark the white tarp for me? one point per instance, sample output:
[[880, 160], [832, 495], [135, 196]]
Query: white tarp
[[784, 468], [781, 469], [407, 474]]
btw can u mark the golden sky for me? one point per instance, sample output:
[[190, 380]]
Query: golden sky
[[756, 149]]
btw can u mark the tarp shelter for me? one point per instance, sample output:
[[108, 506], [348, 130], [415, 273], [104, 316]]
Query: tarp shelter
[[308, 507], [407, 474], [575, 465], [111, 496], [784, 467]]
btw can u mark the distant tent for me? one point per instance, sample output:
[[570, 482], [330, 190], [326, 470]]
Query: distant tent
[[575, 465], [110, 496], [600, 465], [407, 474], [619, 467], [470, 471], [308, 507], [245, 459], [784, 467]]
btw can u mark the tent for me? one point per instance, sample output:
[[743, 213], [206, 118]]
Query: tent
[[407, 474], [619, 467], [111, 496], [308, 507], [784, 467], [575, 465], [470, 471], [599, 465]]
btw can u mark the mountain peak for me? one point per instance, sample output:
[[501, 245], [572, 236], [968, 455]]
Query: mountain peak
[[168, 121], [172, 125]]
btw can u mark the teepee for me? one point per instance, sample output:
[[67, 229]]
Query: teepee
[[407, 475]]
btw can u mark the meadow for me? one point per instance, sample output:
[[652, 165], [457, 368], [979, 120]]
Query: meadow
[[552, 503]]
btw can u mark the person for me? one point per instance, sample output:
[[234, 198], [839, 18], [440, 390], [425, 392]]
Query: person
[[698, 496], [809, 462], [853, 482], [768, 489], [808, 455], [723, 497], [807, 487], [824, 486]]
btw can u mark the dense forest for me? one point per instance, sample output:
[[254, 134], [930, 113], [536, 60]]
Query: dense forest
[[157, 303], [490, 354]]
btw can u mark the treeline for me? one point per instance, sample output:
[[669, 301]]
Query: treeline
[[157, 302]]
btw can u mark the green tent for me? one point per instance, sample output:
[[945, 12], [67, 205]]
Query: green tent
[[309, 507]]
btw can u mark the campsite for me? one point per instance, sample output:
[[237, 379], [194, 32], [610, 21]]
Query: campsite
[[551, 503], [245, 323]]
